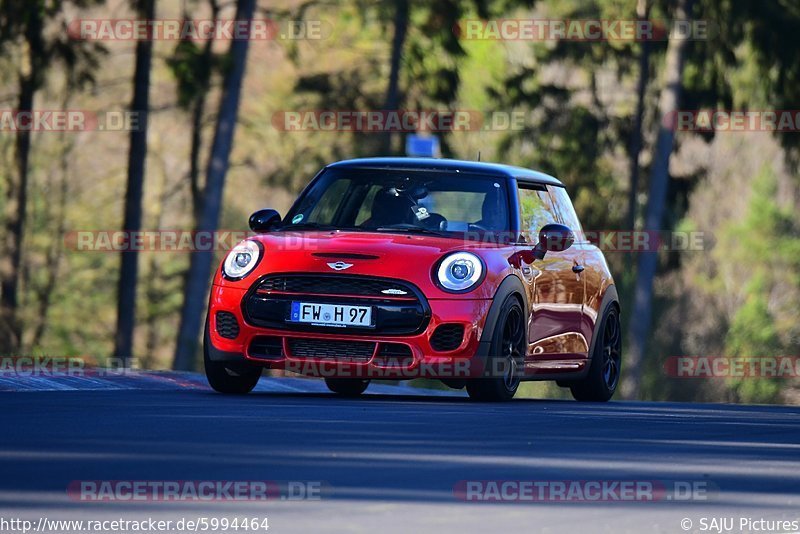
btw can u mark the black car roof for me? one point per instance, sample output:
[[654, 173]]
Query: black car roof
[[521, 174]]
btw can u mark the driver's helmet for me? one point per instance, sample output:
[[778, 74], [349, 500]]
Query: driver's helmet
[[392, 207]]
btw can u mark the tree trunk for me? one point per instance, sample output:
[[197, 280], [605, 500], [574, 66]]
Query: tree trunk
[[137, 156], [659, 180], [393, 92], [198, 112], [154, 281], [17, 190], [642, 13], [200, 266], [55, 252]]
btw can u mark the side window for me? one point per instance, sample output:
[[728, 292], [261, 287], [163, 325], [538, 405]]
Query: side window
[[566, 210], [536, 210]]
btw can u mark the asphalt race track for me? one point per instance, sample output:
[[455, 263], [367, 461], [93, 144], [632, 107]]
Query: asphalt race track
[[391, 461]]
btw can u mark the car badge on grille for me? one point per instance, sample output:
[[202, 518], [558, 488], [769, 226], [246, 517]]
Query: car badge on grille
[[340, 266], [394, 292]]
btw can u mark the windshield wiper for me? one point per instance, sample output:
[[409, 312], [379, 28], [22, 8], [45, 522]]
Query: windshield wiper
[[321, 227], [308, 226], [410, 229]]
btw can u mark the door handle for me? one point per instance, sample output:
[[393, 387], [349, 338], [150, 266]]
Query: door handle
[[577, 268]]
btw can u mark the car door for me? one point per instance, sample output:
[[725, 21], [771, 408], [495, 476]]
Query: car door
[[588, 262], [557, 289]]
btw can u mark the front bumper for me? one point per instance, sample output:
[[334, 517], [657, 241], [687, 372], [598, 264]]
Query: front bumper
[[374, 355]]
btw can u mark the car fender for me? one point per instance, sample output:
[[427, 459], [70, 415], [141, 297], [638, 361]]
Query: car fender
[[509, 286], [609, 297]]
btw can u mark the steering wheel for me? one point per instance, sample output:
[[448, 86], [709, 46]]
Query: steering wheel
[[434, 221]]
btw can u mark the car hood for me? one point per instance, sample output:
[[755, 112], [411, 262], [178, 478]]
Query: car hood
[[403, 256]]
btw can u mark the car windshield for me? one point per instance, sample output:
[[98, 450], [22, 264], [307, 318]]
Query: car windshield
[[385, 200]]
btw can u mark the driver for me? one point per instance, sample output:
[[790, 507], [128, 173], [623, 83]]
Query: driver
[[390, 207], [492, 212]]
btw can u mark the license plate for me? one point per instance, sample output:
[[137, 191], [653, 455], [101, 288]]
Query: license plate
[[336, 315]]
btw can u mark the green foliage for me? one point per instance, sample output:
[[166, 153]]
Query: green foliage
[[27, 19], [772, 29], [753, 335], [767, 240], [192, 67], [762, 37], [570, 132]]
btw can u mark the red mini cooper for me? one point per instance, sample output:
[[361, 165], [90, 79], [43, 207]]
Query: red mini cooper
[[475, 274]]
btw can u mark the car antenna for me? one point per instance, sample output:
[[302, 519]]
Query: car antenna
[[479, 155]]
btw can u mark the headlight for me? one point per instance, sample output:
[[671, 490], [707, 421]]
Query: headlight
[[241, 260], [460, 271]]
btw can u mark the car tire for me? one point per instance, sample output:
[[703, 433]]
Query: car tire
[[506, 356], [347, 387], [603, 377], [226, 378]]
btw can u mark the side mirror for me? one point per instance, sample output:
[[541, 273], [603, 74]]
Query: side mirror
[[262, 221], [553, 238]]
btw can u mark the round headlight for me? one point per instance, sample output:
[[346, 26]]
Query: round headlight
[[241, 260], [460, 271]]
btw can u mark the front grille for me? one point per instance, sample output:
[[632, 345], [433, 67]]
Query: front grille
[[394, 355], [327, 349], [335, 285], [447, 337], [266, 348], [398, 307], [227, 325]]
